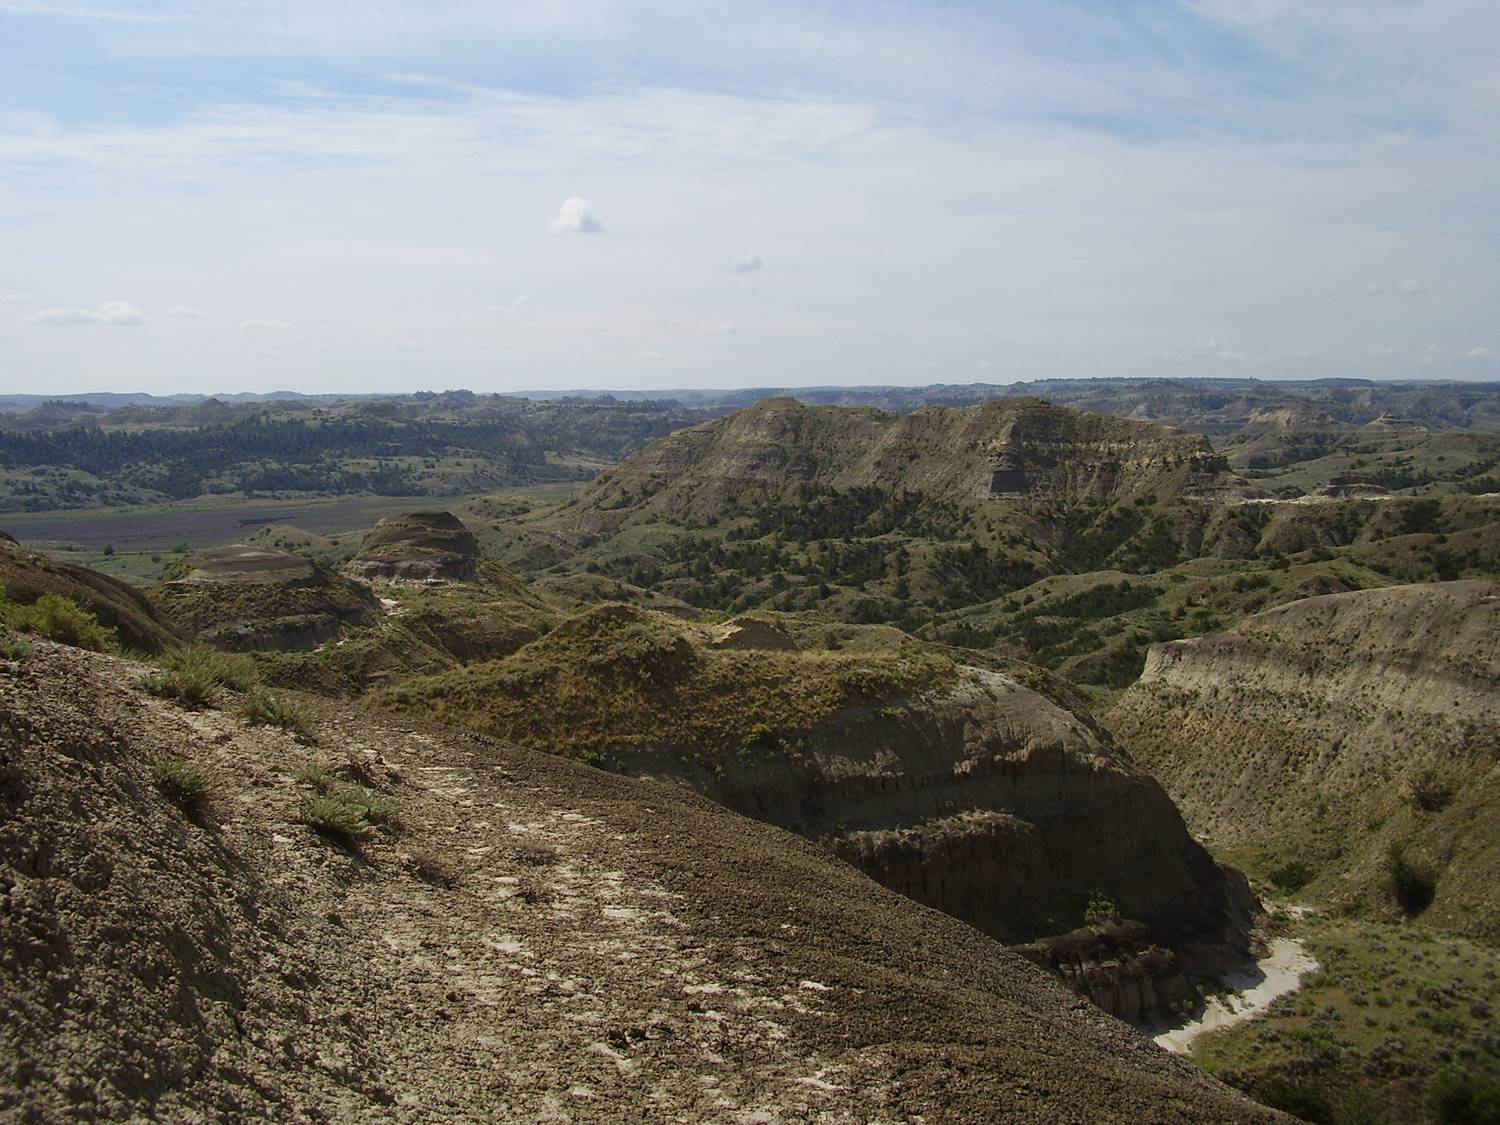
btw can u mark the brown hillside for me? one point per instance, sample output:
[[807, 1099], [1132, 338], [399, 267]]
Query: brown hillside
[[1326, 730], [1010, 449], [539, 941], [960, 787]]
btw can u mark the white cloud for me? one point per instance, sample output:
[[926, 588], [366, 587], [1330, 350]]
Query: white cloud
[[1482, 353], [575, 216], [258, 325], [650, 356], [116, 313], [750, 263], [189, 311], [11, 298]]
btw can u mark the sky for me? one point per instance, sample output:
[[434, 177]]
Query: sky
[[378, 195]]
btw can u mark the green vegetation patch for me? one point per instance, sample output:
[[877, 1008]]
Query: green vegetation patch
[[59, 619], [1398, 1026], [264, 708], [193, 675], [620, 679], [180, 782], [342, 810]]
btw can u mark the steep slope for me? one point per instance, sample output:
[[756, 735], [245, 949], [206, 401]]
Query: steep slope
[[140, 624], [252, 598], [958, 786], [1328, 730], [539, 941]]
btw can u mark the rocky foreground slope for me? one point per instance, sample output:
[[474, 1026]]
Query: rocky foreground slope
[[537, 941], [1324, 732], [958, 786]]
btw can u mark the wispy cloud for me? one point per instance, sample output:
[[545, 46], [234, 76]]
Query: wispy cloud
[[114, 313], [189, 312], [261, 326], [749, 263]]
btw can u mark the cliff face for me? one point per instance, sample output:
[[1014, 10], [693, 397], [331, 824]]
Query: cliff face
[[539, 941], [1334, 727], [957, 786]]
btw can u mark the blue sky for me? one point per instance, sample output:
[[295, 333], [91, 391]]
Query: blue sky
[[384, 196]]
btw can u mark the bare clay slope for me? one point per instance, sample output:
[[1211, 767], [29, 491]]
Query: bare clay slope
[[539, 941], [1328, 729], [959, 786]]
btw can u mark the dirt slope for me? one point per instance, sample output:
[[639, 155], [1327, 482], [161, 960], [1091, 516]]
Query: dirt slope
[[1325, 730], [961, 787], [609, 950]]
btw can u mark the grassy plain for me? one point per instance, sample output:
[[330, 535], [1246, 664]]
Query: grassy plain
[[1396, 1020]]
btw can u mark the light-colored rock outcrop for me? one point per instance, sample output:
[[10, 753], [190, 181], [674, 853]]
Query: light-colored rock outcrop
[[1330, 728]]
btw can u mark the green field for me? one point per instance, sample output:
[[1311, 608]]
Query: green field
[[138, 542]]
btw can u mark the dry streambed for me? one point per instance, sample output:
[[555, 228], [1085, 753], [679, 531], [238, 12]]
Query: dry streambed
[[1251, 991]]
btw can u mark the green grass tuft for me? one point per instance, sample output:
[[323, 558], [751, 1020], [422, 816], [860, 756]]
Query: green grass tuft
[[181, 783], [262, 708], [58, 619], [194, 675]]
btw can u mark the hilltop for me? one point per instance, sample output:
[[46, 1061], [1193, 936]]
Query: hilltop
[[527, 938]]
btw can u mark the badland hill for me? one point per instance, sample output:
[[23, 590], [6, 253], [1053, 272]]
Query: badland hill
[[521, 938]]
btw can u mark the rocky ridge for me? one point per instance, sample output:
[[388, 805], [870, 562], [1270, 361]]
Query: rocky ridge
[[960, 787]]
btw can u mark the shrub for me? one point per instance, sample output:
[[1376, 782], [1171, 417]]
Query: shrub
[[14, 648], [193, 675], [58, 619], [229, 669], [179, 782], [1100, 911], [263, 709], [340, 810], [334, 816], [1413, 882], [1459, 1096], [1291, 877], [1429, 792]]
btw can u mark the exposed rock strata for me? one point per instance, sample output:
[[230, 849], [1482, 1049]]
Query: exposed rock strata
[[1330, 728], [256, 599], [417, 547]]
